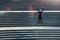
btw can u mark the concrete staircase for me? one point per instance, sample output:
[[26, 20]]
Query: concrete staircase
[[38, 34]]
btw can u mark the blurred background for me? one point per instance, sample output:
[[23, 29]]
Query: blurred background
[[28, 19]]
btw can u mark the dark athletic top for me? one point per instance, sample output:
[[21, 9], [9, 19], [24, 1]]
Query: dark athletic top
[[40, 13]]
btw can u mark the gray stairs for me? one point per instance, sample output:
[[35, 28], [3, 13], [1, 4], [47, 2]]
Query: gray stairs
[[38, 34]]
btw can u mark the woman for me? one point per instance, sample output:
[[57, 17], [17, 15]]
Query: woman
[[40, 15]]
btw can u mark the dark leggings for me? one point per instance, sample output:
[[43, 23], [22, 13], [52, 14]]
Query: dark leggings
[[40, 19]]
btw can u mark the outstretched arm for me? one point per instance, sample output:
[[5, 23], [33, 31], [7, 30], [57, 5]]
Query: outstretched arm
[[39, 9]]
